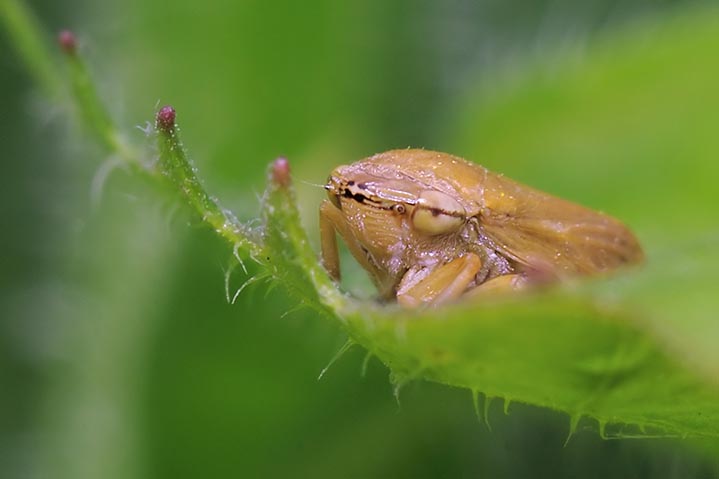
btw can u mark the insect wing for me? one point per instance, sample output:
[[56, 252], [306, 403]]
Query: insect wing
[[543, 232]]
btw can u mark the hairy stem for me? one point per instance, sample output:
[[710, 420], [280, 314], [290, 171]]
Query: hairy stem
[[176, 167], [28, 39], [173, 165]]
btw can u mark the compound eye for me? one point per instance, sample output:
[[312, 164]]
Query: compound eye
[[334, 199], [437, 213]]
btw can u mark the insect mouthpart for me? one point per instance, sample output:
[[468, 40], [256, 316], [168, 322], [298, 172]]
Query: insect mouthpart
[[334, 190], [333, 197]]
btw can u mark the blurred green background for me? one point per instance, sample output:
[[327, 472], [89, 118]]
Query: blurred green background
[[119, 356]]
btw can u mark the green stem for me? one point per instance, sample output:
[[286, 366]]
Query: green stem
[[175, 166], [27, 36], [95, 117]]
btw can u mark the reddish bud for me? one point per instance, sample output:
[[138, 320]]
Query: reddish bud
[[281, 172], [165, 119], [67, 42]]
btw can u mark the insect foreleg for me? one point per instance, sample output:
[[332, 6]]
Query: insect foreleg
[[498, 285], [445, 283], [328, 240]]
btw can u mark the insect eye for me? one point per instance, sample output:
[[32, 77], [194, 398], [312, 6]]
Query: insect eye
[[399, 208], [334, 199], [437, 213]]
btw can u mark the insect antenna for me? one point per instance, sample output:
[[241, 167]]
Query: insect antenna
[[312, 184]]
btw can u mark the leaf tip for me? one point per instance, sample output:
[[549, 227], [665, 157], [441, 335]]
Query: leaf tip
[[475, 403], [573, 424], [165, 119], [67, 41], [487, 402]]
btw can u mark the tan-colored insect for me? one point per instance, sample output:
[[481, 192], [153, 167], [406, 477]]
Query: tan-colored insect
[[430, 227]]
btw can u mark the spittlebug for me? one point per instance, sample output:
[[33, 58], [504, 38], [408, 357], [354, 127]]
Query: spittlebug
[[430, 227]]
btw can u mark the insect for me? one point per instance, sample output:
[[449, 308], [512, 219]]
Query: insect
[[430, 227]]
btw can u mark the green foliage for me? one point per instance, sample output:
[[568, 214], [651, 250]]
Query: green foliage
[[635, 352]]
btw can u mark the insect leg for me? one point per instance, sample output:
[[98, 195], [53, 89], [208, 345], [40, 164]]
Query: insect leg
[[328, 240], [498, 285], [445, 283]]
